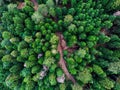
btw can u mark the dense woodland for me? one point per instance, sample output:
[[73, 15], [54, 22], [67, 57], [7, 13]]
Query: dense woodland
[[59, 45]]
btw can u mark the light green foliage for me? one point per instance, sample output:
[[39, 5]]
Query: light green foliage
[[32, 58], [59, 72], [12, 7], [99, 71], [116, 4], [47, 54], [50, 3], [49, 61], [54, 39], [38, 34], [14, 53], [28, 39], [52, 12], [52, 79], [12, 80], [54, 51], [36, 77], [70, 61], [107, 83], [72, 28], [22, 45], [76, 87], [81, 53], [78, 59], [14, 40], [24, 53], [37, 18], [35, 69], [92, 38], [29, 85], [7, 58], [68, 19], [43, 10], [84, 76], [53, 68], [114, 67], [6, 35], [62, 86], [29, 64]]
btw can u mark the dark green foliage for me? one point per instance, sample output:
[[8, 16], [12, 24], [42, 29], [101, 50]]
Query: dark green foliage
[[110, 4]]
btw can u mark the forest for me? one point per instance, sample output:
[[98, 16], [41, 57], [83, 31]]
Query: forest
[[59, 44]]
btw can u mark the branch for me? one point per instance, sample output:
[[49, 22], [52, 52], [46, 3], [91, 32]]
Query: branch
[[35, 4], [22, 4], [62, 63]]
